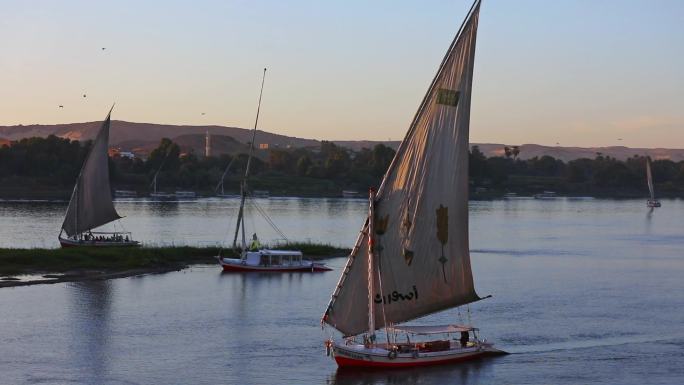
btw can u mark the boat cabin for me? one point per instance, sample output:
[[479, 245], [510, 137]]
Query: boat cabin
[[273, 258], [407, 339]]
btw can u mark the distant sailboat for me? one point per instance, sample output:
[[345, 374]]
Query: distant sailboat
[[652, 202], [412, 257], [254, 258], [219, 189], [91, 202], [160, 195]]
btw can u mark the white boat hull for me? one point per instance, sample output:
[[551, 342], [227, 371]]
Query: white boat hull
[[363, 357], [165, 196], [68, 242], [237, 266]]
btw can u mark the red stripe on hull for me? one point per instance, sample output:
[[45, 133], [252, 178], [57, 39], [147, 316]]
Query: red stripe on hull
[[344, 362]]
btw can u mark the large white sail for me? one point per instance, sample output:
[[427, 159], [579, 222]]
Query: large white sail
[[91, 202], [649, 178], [421, 259]]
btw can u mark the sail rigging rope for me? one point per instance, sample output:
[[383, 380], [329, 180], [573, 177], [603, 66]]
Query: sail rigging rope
[[225, 237], [267, 218], [382, 304]]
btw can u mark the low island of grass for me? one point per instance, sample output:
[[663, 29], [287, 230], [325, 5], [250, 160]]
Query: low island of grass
[[81, 263]]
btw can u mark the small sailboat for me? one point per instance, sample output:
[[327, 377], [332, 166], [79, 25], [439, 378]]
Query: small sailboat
[[350, 194], [254, 258], [125, 194], [263, 194], [219, 189], [158, 194], [411, 257], [546, 195], [185, 195], [91, 204], [652, 202]]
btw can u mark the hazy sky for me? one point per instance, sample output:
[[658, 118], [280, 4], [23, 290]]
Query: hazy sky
[[577, 72]]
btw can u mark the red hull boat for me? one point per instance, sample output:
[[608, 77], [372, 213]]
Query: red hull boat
[[271, 261]]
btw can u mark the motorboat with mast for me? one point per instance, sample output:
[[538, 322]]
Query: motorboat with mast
[[652, 201], [91, 203], [254, 258], [411, 257]]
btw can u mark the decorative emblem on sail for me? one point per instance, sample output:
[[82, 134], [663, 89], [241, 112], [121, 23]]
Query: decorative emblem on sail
[[91, 201], [424, 266]]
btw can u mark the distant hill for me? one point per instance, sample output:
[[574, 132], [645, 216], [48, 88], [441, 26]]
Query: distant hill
[[140, 133], [356, 145], [528, 151], [143, 137]]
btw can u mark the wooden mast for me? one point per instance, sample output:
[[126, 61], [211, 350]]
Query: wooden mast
[[243, 186]]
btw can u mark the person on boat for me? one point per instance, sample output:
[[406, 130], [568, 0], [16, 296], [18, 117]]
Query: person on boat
[[255, 245], [464, 339]]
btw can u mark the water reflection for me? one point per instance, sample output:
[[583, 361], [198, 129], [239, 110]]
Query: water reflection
[[205, 221], [91, 307], [566, 283], [473, 372]]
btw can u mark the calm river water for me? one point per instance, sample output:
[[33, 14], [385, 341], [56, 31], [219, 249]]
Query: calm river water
[[584, 292]]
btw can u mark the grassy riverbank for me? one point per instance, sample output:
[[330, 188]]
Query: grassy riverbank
[[112, 260]]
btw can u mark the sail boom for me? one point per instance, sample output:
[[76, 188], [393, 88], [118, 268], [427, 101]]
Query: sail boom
[[356, 333]]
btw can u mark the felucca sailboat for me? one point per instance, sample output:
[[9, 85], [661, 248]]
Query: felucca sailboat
[[253, 258], [91, 202], [219, 190], [155, 194], [412, 257], [652, 202]]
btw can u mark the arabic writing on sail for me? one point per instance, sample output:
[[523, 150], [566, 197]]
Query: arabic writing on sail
[[395, 296]]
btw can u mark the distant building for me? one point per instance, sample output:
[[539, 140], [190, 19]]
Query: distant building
[[114, 152]]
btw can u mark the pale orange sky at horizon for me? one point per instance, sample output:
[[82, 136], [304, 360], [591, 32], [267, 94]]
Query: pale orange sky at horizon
[[576, 73]]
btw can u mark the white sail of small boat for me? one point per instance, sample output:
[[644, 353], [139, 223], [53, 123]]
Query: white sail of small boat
[[91, 202], [412, 257], [254, 258], [652, 202], [219, 189], [156, 194]]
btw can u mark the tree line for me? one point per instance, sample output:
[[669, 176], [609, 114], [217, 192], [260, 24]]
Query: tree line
[[57, 161], [602, 175], [330, 168]]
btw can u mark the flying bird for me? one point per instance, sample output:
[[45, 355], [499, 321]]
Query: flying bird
[[61, 106], [84, 95], [104, 48], [202, 113]]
